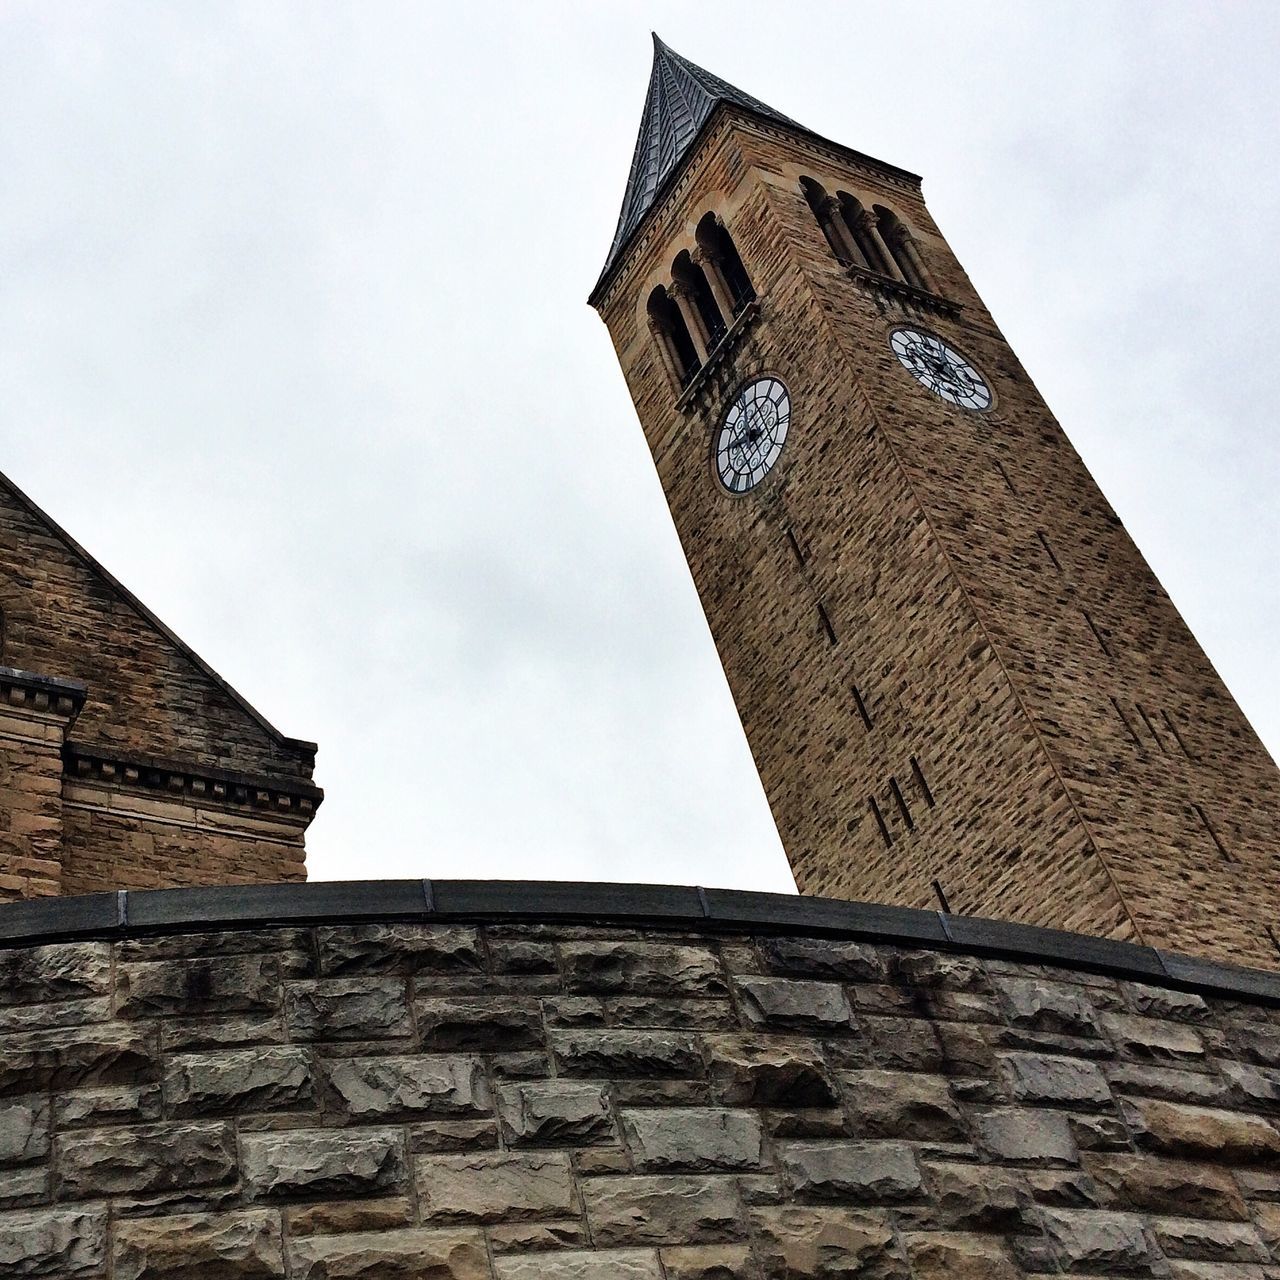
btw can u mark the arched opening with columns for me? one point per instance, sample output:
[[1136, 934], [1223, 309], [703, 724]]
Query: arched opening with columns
[[866, 235], [898, 240], [675, 345], [720, 260], [703, 315]]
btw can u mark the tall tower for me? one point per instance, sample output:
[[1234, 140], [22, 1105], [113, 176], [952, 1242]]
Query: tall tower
[[956, 672]]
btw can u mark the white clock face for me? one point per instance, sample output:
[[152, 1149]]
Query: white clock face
[[940, 368], [750, 438]]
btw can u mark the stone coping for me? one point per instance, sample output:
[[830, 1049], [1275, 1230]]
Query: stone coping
[[139, 912]]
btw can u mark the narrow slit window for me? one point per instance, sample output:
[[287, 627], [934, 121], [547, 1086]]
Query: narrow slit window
[[862, 707], [1097, 635], [880, 822], [1005, 474], [794, 543], [1151, 729], [1177, 737], [902, 804], [826, 623], [1124, 720], [1213, 835], [1048, 550], [918, 773]]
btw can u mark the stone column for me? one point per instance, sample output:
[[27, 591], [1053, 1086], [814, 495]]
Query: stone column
[[836, 229], [870, 229], [903, 242], [663, 342], [710, 265], [682, 295]]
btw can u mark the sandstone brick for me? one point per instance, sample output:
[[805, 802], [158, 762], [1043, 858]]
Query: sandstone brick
[[641, 968], [347, 1009], [894, 1104], [763, 1072], [1036, 1078], [603, 1264], [861, 1172], [482, 1188], [1027, 1136], [322, 1162], [24, 1130], [144, 1159], [409, 1254], [708, 1262], [791, 1241], [400, 948], [940, 1255], [1202, 1132], [269, 1078], [400, 1085], [554, 1113], [693, 1138], [1112, 1243], [626, 1053], [63, 1243], [219, 984], [669, 1210], [481, 1024], [243, 1245], [1152, 1185], [794, 1003]]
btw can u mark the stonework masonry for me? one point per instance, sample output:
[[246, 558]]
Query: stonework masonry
[[125, 760], [518, 1098], [952, 663]]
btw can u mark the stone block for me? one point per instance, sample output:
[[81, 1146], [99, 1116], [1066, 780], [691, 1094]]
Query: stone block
[[144, 1159], [900, 1104], [347, 1009], [125, 1103], [403, 1085], [977, 1197], [322, 1162], [59, 1244], [795, 1242], [1148, 1184], [1168, 1083], [942, 1255], [1165, 1002], [337, 1216], [939, 969], [693, 1139], [671, 1209], [714, 1014], [554, 1113], [863, 1172], [479, 1024], [215, 984], [1112, 1243], [244, 1245], [537, 1237], [795, 1003], [235, 1081], [829, 958], [768, 1071], [1038, 1079], [24, 1129], [708, 1262], [1202, 1132], [74, 1058], [602, 1264], [1040, 1005], [495, 1187], [399, 948], [59, 971], [610, 1053], [1027, 1136], [641, 968], [410, 1254], [1254, 1087], [1153, 1039], [1235, 1242]]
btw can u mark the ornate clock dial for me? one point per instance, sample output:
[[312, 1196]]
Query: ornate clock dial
[[940, 368], [752, 433]]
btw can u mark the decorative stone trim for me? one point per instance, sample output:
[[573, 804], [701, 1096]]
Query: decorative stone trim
[[899, 290], [46, 694], [719, 354], [200, 783], [139, 912]]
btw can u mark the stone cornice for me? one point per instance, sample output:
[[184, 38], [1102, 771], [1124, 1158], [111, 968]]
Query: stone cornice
[[141, 912], [49, 695], [293, 798]]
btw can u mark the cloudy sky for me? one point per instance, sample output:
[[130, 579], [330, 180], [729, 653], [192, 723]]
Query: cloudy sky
[[293, 338]]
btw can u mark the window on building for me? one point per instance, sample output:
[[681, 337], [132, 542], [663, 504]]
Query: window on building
[[669, 330], [720, 256]]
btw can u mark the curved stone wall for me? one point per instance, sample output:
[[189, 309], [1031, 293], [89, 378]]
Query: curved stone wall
[[625, 1085]]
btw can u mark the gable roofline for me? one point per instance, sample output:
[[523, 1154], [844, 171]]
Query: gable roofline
[[682, 102], [299, 745]]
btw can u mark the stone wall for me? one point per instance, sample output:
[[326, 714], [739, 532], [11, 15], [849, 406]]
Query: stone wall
[[506, 1099]]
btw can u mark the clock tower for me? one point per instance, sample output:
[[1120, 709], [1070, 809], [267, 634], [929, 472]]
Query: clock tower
[[961, 682]]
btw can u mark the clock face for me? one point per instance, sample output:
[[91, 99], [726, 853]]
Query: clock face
[[940, 368], [750, 438]]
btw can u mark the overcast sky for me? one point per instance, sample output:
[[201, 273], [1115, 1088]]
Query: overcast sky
[[293, 336]]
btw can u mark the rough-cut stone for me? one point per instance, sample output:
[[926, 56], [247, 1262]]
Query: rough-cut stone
[[60, 971], [693, 1138], [603, 1264], [899, 1104], [490, 1188], [401, 1085], [939, 969], [74, 1058], [672, 1209], [347, 1009], [483, 1024], [859, 1171], [411, 1254], [322, 1162], [61, 1244], [1153, 1039], [977, 1197], [1097, 1241], [123, 1103], [641, 968], [707, 1262], [1210, 1241], [142, 1159], [795, 1243], [941, 1255], [1047, 1006], [402, 948], [336, 1216], [1201, 1132], [794, 1002], [1042, 1137], [1164, 1002], [24, 1130], [554, 1113], [1039, 1079], [823, 958], [626, 1053], [1255, 1087], [221, 984], [1168, 1083], [269, 1078], [244, 1245], [774, 1071], [1152, 1185]]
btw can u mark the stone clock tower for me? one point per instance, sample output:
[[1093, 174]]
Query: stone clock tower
[[961, 682]]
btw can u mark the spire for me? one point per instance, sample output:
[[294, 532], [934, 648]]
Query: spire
[[680, 100]]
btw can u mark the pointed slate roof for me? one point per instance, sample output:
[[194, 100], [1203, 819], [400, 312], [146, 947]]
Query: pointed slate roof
[[680, 100]]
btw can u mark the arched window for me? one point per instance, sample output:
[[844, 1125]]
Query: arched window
[[719, 256], [669, 330], [903, 248], [830, 217], [866, 235], [692, 279]]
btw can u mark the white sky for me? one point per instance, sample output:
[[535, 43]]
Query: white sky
[[293, 337]]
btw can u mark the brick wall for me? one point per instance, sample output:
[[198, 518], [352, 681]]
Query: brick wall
[[510, 1101], [1046, 738]]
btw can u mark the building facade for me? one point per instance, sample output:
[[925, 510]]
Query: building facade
[[126, 761], [960, 680]]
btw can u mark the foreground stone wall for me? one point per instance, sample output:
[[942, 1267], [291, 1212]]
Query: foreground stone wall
[[504, 1102]]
